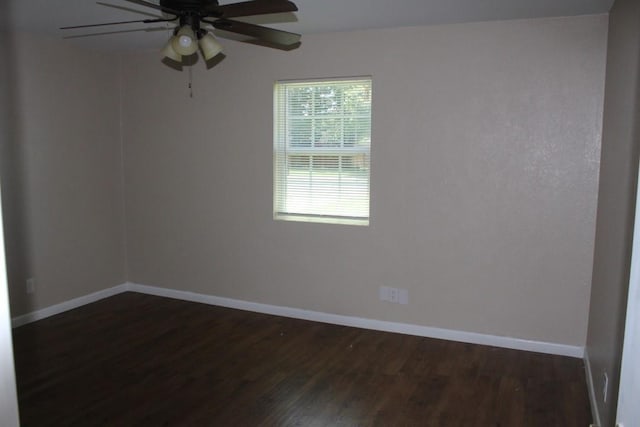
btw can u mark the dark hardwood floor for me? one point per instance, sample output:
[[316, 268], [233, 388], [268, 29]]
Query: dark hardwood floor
[[139, 360]]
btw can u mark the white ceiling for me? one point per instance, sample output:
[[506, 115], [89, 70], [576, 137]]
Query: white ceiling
[[314, 16]]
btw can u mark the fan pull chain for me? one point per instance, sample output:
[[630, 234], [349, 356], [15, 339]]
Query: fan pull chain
[[190, 82]]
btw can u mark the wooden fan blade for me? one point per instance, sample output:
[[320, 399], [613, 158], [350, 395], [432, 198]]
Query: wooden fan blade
[[155, 6], [265, 34], [143, 21], [250, 8], [115, 6], [107, 33]]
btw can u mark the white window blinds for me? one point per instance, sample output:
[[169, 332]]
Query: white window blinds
[[322, 144]]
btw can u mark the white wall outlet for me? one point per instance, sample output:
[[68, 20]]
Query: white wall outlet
[[388, 294], [393, 295], [605, 387], [403, 297], [30, 285]]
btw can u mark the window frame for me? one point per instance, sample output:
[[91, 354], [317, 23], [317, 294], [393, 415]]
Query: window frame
[[280, 107]]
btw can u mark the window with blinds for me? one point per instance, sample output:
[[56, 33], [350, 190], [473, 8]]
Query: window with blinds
[[322, 145]]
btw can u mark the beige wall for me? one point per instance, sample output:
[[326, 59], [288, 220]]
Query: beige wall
[[61, 174], [616, 205], [485, 157]]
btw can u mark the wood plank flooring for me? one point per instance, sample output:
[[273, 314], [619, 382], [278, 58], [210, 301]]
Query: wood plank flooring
[[139, 360]]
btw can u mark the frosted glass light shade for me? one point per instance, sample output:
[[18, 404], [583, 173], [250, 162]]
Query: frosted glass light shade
[[184, 43], [169, 52], [209, 46]]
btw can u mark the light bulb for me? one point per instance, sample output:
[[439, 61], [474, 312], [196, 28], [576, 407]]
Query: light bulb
[[184, 42]]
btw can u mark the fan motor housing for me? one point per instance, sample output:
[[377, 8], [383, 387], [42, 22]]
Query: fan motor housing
[[187, 5]]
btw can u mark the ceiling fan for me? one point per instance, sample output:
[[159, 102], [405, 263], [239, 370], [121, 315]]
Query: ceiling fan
[[192, 16]]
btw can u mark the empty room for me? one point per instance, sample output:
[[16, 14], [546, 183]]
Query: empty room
[[319, 213]]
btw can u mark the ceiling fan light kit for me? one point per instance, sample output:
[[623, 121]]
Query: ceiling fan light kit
[[194, 14], [169, 52], [209, 46]]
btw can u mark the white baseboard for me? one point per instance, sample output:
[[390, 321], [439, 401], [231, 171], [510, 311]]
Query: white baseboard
[[595, 412], [316, 316], [358, 322], [68, 305]]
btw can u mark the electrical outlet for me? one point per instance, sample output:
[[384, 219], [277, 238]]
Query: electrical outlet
[[403, 297], [384, 293], [605, 387], [30, 285], [393, 295], [388, 294]]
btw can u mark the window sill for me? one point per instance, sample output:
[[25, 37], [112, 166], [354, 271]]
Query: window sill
[[321, 219]]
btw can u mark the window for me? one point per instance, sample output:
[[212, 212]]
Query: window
[[322, 144]]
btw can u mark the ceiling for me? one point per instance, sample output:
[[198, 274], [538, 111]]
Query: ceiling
[[314, 16]]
